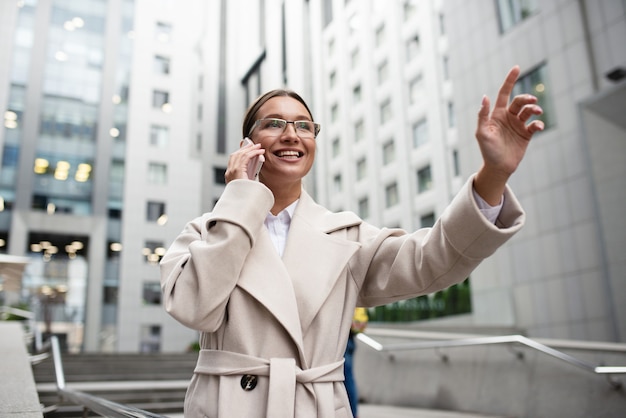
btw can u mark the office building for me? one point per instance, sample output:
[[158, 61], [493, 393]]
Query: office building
[[119, 117]]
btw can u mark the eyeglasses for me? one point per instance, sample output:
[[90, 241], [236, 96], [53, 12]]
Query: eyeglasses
[[305, 129]]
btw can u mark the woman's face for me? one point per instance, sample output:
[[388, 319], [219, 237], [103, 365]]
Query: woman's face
[[288, 157]]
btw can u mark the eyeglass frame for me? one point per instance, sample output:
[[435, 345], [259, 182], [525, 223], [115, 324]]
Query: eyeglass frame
[[317, 126]]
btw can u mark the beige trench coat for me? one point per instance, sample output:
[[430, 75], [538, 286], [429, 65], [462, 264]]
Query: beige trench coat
[[274, 331]]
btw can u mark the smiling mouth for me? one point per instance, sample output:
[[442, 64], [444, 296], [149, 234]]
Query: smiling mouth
[[289, 154]]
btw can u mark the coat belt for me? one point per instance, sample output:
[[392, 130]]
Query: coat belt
[[282, 372]]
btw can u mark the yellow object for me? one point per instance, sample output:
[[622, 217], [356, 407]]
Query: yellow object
[[359, 320]]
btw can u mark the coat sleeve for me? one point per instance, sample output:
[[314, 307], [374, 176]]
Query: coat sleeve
[[201, 267], [393, 265]]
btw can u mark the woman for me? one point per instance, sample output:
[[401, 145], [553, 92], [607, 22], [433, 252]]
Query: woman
[[271, 279]]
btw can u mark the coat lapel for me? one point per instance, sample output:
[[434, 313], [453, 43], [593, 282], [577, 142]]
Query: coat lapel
[[313, 257], [266, 279], [294, 289]]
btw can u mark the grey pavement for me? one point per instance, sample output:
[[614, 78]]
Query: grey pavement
[[382, 411], [365, 410]]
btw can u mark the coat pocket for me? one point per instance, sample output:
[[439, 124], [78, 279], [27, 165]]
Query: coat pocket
[[243, 396], [202, 397]]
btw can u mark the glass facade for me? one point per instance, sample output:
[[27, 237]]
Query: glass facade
[[70, 100], [13, 116], [74, 132]]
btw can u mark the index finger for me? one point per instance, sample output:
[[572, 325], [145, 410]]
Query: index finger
[[507, 87]]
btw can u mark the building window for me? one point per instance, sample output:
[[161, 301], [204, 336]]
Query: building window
[[328, 12], [151, 294], [420, 133], [334, 113], [157, 173], [456, 165], [163, 32], [161, 64], [361, 169], [445, 67], [110, 295], [427, 221], [159, 136], [356, 94], [412, 47], [380, 36], [116, 179], [155, 212], [160, 98], [409, 8], [220, 175], [354, 59], [359, 131], [336, 147], [383, 72], [354, 23], [391, 195], [153, 251], [415, 88], [332, 79], [385, 112], [337, 183], [364, 208], [389, 152], [150, 339], [451, 115], [512, 12], [442, 24], [424, 179], [536, 82]]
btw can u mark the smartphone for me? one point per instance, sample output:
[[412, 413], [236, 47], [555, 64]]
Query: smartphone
[[255, 164]]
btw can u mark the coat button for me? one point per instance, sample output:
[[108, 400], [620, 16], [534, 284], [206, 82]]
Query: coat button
[[249, 381]]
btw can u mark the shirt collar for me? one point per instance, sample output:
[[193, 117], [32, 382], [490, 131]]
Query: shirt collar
[[288, 212]]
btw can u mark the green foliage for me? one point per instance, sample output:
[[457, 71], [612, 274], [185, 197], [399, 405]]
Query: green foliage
[[454, 300], [12, 317]]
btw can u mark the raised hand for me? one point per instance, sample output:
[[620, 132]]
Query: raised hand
[[503, 136]]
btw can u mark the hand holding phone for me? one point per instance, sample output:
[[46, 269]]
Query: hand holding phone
[[255, 164]]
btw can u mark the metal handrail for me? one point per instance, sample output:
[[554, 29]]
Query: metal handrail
[[101, 406], [504, 339], [17, 312]]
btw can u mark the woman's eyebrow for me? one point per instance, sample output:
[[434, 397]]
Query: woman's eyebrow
[[281, 116]]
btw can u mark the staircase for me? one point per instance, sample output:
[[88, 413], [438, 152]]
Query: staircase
[[152, 382]]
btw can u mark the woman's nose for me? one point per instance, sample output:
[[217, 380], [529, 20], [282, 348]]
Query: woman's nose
[[290, 131]]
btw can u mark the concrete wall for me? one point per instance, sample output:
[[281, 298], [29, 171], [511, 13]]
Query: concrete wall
[[18, 395], [505, 380]]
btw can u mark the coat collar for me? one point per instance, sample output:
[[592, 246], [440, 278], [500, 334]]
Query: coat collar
[[294, 289]]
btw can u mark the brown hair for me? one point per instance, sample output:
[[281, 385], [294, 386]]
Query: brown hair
[[250, 117]]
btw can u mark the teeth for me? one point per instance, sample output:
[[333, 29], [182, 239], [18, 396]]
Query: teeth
[[288, 154]]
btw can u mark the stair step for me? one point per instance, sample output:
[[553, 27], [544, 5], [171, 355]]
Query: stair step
[[152, 382]]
